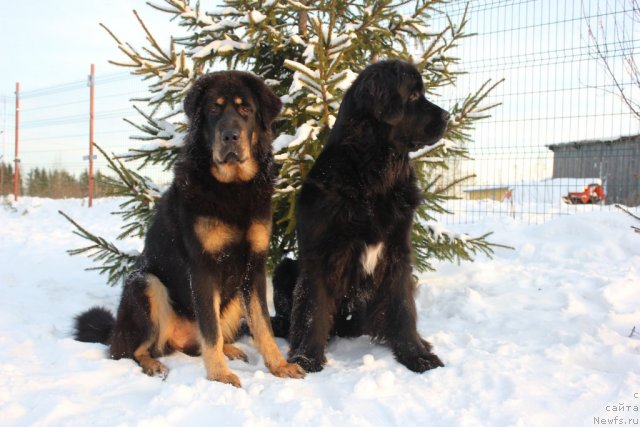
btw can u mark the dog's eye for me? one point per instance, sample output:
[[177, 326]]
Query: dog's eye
[[414, 96]]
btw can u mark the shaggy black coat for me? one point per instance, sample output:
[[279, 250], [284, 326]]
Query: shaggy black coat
[[354, 220], [203, 264]]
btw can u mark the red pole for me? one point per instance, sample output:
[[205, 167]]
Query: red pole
[[91, 115], [16, 172]]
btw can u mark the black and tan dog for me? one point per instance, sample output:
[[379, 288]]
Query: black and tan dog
[[203, 264], [354, 220]]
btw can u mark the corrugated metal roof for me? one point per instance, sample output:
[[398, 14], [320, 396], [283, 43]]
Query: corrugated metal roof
[[577, 144]]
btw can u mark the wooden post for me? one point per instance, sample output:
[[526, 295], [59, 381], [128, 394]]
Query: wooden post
[[16, 171], [91, 118]]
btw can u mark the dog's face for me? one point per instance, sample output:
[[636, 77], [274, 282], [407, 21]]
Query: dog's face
[[393, 92], [230, 111]]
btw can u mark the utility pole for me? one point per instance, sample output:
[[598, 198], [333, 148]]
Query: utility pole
[[1, 171], [2, 132], [91, 117], [16, 171]]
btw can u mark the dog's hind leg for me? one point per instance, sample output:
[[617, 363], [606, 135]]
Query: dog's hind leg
[[284, 280], [139, 323]]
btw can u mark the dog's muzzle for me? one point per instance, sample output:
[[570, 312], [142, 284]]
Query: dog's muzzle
[[230, 151]]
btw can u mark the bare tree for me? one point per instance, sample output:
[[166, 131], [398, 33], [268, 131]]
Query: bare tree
[[612, 34]]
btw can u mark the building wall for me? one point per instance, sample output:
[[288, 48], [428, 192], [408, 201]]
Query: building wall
[[616, 162], [488, 194]]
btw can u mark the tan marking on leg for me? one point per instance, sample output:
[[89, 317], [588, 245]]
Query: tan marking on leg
[[258, 236], [183, 333], [214, 234], [232, 352], [213, 355], [170, 328], [160, 311], [149, 365], [260, 326], [230, 319]]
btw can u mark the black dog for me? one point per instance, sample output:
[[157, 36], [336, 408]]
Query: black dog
[[354, 219], [203, 265]]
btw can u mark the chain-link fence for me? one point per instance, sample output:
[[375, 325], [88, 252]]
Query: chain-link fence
[[561, 124]]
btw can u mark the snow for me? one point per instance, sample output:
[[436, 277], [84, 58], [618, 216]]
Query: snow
[[254, 17], [535, 336], [303, 133], [221, 46]]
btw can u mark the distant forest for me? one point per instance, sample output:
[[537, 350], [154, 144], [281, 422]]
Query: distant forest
[[53, 183]]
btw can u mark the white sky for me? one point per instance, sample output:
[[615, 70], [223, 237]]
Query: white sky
[[45, 43]]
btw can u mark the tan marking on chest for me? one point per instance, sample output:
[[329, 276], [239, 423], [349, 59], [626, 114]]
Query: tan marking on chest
[[258, 236], [214, 235], [370, 257]]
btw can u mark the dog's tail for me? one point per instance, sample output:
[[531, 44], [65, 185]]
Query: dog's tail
[[284, 280], [94, 325]]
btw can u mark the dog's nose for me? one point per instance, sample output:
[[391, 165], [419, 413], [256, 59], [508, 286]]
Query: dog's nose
[[446, 116], [230, 135]]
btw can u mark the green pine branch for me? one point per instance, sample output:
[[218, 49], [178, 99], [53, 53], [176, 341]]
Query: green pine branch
[[111, 261], [142, 195]]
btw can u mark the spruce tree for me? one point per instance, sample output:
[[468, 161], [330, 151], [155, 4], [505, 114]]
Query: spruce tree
[[309, 53]]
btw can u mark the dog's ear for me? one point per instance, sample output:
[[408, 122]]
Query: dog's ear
[[377, 93], [194, 95], [269, 105]]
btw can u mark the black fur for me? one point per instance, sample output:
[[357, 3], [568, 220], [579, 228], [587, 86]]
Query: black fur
[[94, 325], [362, 191], [223, 108]]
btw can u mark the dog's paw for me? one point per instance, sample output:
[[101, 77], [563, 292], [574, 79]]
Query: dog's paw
[[154, 368], [232, 352], [309, 364], [288, 370], [421, 362], [226, 378]]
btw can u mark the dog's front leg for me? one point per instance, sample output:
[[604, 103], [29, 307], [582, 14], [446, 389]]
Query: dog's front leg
[[398, 318], [206, 300], [257, 315], [311, 322]]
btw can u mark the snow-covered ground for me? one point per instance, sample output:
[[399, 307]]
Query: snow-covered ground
[[539, 336]]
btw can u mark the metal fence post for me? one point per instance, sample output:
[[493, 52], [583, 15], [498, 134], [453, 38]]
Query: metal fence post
[[16, 171], [91, 118]]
